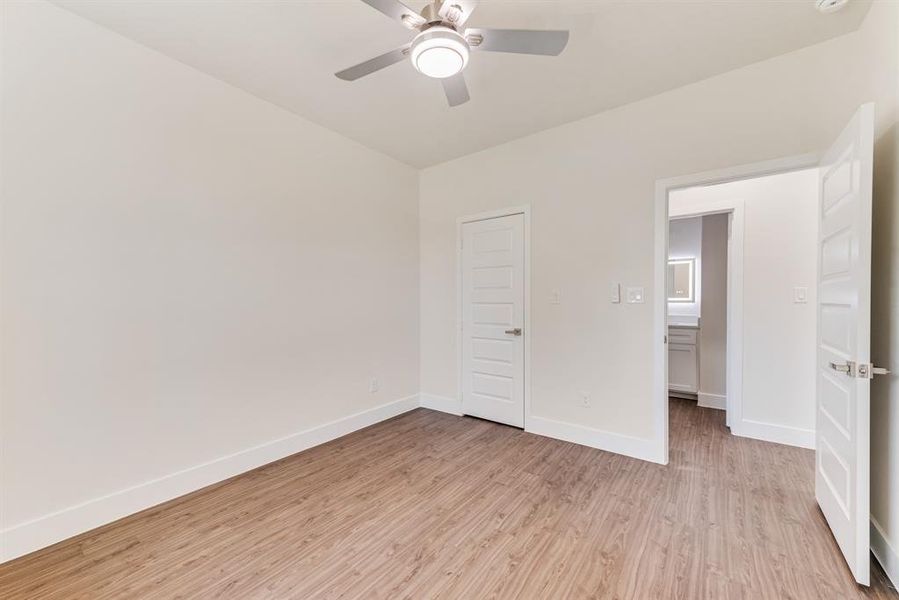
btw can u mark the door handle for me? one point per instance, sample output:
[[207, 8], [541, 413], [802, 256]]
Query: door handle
[[516, 331], [844, 368], [863, 371]]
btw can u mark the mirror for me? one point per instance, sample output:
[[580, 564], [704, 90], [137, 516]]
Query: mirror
[[680, 280]]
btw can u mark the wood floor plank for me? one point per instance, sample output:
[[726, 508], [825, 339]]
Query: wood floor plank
[[428, 505]]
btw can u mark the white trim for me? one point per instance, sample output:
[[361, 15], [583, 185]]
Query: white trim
[[577, 434], [660, 259], [660, 321], [524, 209], [595, 438], [445, 404], [740, 172], [483, 216], [884, 552], [57, 526], [779, 434], [718, 401]]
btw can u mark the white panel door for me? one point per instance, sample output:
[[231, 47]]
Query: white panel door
[[493, 319], [842, 475]]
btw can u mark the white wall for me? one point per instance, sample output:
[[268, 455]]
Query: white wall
[[779, 228], [591, 188], [713, 333], [685, 241], [188, 273], [239, 191]]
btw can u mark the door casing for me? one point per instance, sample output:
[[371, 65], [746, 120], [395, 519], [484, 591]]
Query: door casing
[[660, 273]]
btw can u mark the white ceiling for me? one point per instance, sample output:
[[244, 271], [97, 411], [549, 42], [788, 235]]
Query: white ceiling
[[286, 51]]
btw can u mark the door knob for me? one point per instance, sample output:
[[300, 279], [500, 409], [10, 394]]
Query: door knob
[[516, 331]]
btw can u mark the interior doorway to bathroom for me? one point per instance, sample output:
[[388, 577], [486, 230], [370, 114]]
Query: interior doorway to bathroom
[[741, 295], [697, 308]]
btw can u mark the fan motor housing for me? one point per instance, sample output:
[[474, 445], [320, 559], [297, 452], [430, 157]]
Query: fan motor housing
[[431, 13]]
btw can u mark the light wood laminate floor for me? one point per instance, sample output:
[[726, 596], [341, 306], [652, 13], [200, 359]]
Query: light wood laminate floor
[[429, 505]]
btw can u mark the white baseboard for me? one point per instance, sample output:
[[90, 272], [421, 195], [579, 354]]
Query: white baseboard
[[596, 438], [779, 434], [452, 406], [718, 401], [569, 432], [55, 527], [884, 552]]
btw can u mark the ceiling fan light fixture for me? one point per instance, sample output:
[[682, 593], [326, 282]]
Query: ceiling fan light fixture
[[439, 52], [441, 46]]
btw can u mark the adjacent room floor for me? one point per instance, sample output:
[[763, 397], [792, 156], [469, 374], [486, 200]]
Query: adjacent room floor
[[429, 505]]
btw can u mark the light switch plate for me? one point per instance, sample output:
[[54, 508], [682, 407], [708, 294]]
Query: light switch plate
[[800, 295], [555, 297], [615, 293], [635, 295]]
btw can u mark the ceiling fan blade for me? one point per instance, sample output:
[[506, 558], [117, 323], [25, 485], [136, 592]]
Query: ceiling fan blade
[[456, 90], [521, 41], [375, 64], [398, 11], [457, 11]]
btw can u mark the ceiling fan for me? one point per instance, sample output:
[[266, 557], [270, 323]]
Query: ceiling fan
[[441, 47]]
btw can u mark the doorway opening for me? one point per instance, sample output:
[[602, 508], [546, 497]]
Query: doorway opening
[[740, 281], [697, 297]]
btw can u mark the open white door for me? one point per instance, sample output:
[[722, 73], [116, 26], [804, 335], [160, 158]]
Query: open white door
[[842, 474]]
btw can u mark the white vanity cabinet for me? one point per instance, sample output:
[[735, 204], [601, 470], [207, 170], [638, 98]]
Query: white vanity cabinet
[[683, 359]]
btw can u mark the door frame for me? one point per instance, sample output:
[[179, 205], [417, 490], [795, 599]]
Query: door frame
[[524, 210], [660, 273]]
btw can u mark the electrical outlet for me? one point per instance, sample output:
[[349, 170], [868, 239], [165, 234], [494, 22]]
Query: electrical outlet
[[585, 399], [374, 385]]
